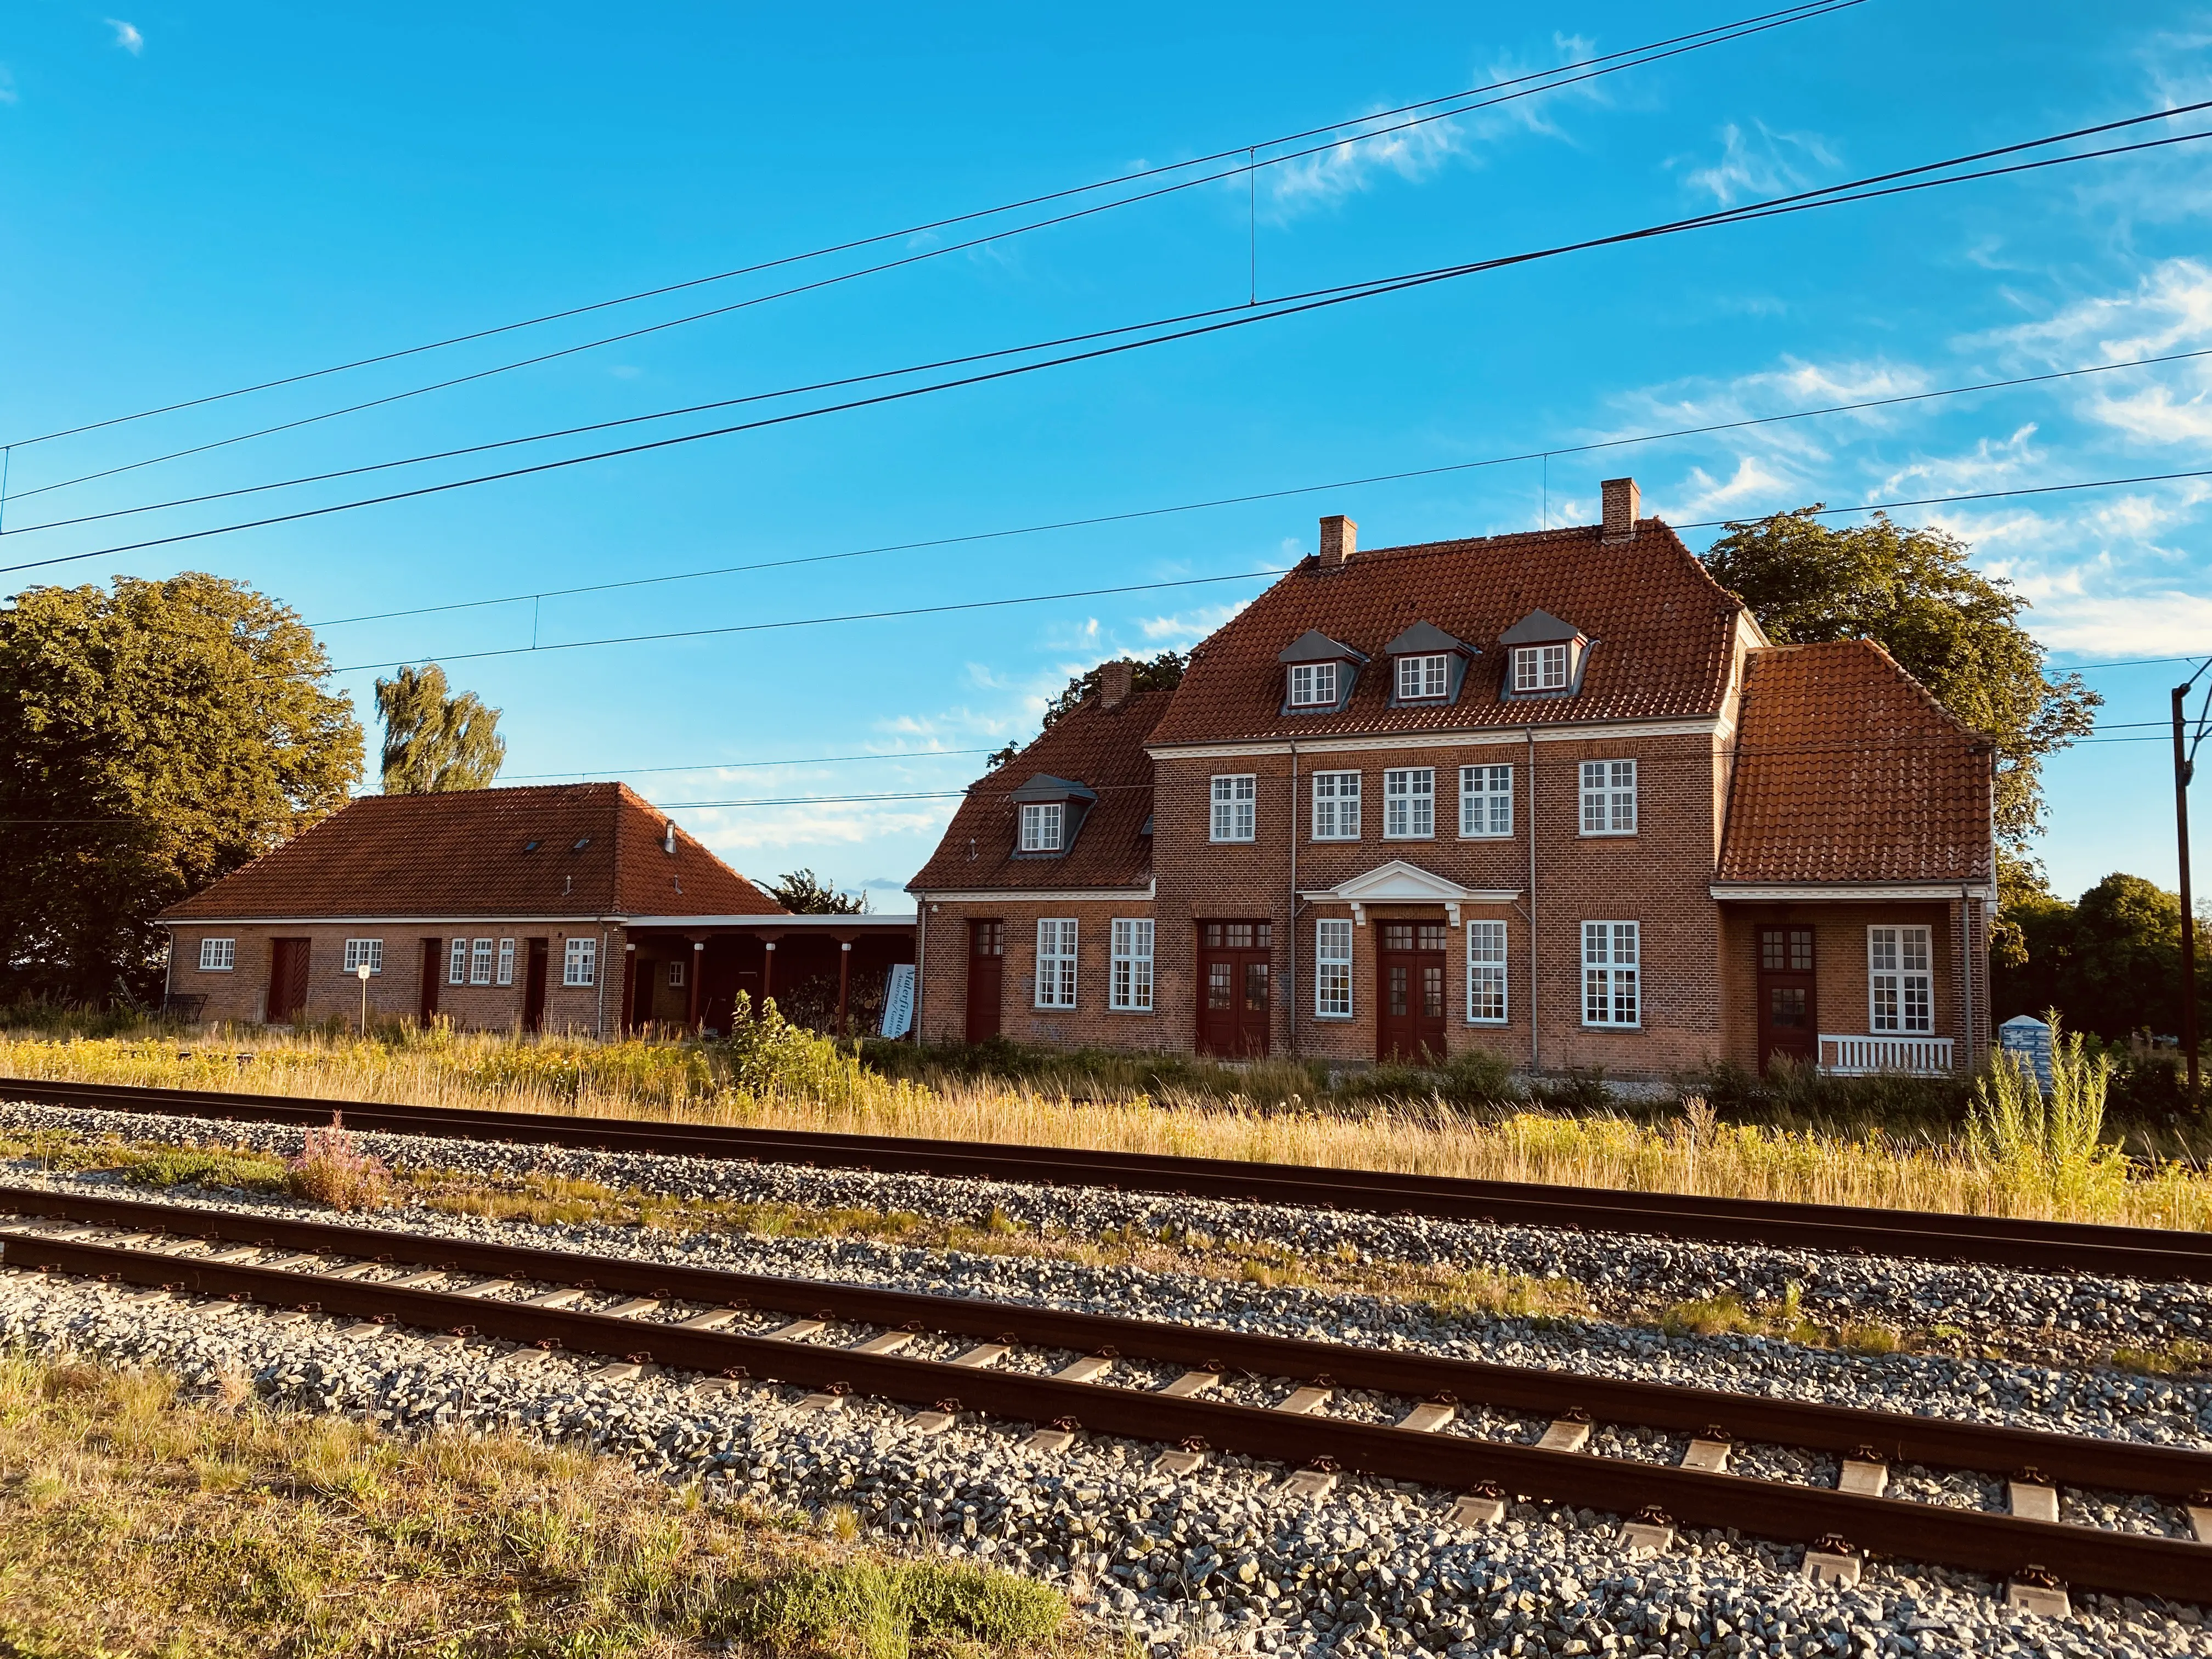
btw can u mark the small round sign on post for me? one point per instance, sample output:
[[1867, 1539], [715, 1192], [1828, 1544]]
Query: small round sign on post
[[361, 974]]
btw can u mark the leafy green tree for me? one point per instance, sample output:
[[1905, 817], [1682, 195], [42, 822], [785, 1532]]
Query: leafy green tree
[[1160, 673], [434, 741], [153, 739], [806, 893], [2111, 964], [1951, 628]]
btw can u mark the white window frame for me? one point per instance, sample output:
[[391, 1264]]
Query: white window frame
[[370, 950], [579, 962], [1336, 807], [1236, 816], [1129, 989], [1608, 798], [1489, 1000], [1314, 685], [219, 956], [1332, 968], [1425, 678], [1613, 974], [457, 962], [479, 962], [1485, 802], [1541, 668], [1056, 940], [675, 973], [1901, 980], [1040, 825], [506, 973], [1409, 803]]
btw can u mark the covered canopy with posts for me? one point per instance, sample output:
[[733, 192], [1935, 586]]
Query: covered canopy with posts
[[829, 972]]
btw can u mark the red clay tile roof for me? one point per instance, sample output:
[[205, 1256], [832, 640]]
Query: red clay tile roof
[[1664, 632], [461, 854], [1848, 771], [1103, 749]]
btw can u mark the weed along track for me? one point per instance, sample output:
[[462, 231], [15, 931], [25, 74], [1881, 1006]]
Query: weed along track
[[2141, 1253], [1315, 1408]]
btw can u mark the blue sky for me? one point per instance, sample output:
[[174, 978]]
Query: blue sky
[[197, 199]]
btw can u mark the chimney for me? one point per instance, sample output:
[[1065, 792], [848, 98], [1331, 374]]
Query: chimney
[[668, 837], [1623, 506], [1340, 540], [1115, 681]]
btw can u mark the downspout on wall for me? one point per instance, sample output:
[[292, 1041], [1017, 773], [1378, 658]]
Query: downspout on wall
[[1291, 933], [1535, 1050]]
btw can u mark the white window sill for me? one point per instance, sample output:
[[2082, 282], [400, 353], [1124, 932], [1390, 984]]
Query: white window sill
[[1488, 835], [1146, 1011], [1430, 837], [1607, 834], [1231, 840], [1336, 1019], [1492, 1025], [1591, 1025], [1336, 841], [215, 970]]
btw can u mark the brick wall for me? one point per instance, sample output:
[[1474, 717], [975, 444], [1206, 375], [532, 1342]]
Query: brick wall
[[241, 994], [1839, 968], [1090, 1023]]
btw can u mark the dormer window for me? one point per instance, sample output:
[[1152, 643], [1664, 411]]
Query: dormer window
[[1427, 665], [1041, 824], [1541, 668], [1422, 679], [1312, 684], [1546, 656]]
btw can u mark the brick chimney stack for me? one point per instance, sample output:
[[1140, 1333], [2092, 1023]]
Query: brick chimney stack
[[1340, 540], [1115, 681], [1623, 506]]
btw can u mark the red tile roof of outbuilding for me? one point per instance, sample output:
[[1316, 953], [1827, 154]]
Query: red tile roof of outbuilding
[[1848, 771], [598, 853], [1664, 636], [1103, 749]]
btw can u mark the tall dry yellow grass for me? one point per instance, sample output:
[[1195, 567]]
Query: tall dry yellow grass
[[672, 1081]]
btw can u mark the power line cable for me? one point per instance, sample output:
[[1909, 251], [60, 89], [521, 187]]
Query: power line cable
[[1855, 191], [741, 305], [1691, 41], [1267, 495], [734, 766]]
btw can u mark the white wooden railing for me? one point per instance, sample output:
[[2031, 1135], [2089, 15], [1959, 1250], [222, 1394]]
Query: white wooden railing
[[1862, 1056]]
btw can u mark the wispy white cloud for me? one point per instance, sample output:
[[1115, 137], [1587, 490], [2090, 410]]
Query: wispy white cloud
[[1765, 162], [127, 36], [7, 86]]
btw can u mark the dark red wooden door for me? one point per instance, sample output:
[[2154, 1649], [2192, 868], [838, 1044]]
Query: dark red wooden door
[[1409, 990], [987, 976], [288, 980], [1235, 987], [533, 986], [433, 970], [1787, 1008]]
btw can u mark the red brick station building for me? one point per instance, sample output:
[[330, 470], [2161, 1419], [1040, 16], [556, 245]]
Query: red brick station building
[[1553, 794]]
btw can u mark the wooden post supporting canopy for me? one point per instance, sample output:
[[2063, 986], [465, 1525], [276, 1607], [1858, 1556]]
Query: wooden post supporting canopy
[[698, 962], [844, 974]]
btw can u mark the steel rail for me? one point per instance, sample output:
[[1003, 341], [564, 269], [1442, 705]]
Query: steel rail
[[2121, 1563], [2148, 1253], [1894, 1438]]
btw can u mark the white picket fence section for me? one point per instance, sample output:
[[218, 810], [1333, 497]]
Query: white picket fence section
[[1862, 1056]]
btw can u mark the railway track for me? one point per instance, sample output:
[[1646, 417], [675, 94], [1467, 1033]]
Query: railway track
[[2146, 1253], [751, 1327]]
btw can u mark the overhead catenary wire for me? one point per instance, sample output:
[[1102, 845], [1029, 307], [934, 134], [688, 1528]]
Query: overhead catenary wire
[[1608, 63], [1855, 191]]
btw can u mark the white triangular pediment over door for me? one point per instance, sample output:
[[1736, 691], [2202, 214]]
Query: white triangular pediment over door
[[1400, 882]]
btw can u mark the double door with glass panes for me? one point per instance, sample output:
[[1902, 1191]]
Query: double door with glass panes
[[1409, 990], [1234, 987], [1786, 1007]]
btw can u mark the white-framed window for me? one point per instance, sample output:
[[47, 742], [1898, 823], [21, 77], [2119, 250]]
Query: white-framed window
[[1900, 980], [1336, 807], [1420, 679], [360, 950], [1040, 824], [1612, 969], [1333, 969], [1486, 801], [457, 962], [1485, 972], [480, 962], [506, 975], [579, 962], [1234, 814], [1539, 668], [1055, 965], [218, 955], [1409, 803], [1130, 989], [1312, 684], [1609, 797], [675, 973]]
